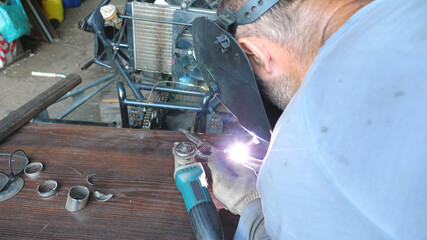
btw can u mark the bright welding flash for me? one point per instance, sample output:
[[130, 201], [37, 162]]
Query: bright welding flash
[[238, 152]]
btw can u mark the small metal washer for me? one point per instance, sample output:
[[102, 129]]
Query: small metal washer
[[46, 184], [36, 173]]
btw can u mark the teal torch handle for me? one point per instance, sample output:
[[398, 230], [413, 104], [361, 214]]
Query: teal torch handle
[[191, 182]]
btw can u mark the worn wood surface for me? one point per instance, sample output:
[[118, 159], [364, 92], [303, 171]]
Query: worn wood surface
[[134, 165], [35, 106]]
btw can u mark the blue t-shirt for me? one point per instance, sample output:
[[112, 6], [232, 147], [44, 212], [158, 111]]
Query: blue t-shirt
[[348, 157]]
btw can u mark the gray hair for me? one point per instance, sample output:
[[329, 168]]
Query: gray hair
[[282, 23]]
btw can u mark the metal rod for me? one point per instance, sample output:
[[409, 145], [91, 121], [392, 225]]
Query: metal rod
[[155, 20], [121, 54], [135, 103], [119, 40], [122, 45], [45, 74], [88, 64], [205, 101], [73, 122], [83, 100], [102, 64], [123, 108], [128, 79], [167, 89], [49, 37], [82, 89]]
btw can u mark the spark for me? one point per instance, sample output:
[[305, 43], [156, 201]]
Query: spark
[[238, 152]]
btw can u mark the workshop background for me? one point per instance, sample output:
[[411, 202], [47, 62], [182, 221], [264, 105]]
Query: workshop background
[[66, 54], [135, 168]]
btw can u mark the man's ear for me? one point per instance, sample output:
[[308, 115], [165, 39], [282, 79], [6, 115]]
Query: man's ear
[[257, 51]]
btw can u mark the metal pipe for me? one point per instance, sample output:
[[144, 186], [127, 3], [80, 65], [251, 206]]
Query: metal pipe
[[88, 64], [205, 101], [117, 48], [121, 54], [96, 21], [83, 100], [122, 45], [77, 198], [161, 105], [128, 79], [72, 122], [102, 64], [167, 89], [49, 37], [45, 74], [82, 89], [155, 20], [123, 108]]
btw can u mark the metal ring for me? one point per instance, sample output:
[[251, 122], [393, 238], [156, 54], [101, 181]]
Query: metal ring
[[77, 198], [46, 185], [36, 173]]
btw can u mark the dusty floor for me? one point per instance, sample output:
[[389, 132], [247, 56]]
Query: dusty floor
[[65, 55]]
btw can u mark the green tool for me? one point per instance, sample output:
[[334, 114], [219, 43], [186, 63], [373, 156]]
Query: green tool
[[191, 181]]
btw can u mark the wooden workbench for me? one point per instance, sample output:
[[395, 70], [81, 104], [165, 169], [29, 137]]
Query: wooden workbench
[[135, 165]]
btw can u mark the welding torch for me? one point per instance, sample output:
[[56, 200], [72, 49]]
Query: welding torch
[[238, 152]]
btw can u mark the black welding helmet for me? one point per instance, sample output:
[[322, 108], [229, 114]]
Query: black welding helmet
[[226, 68]]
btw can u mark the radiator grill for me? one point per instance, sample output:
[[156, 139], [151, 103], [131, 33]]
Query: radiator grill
[[152, 41]]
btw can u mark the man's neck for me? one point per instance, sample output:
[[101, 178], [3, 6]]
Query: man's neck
[[321, 20], [338, 17]]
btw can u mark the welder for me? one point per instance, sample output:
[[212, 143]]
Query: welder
[[348, 156]]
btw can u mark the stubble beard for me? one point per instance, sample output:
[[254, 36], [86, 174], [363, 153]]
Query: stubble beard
[[280, 89]]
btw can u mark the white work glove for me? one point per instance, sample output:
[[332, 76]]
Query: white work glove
[[234, 185]]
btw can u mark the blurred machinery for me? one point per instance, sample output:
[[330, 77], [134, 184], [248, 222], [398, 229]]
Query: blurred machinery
[[149, 49]]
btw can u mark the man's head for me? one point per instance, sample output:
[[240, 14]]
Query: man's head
[[282, 44], [273, 45]]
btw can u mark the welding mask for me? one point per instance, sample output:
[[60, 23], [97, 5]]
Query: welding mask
[[226, 68]]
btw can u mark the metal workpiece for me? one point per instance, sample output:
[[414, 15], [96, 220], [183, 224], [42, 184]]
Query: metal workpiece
[[47, 188], [102, 197], [89, 178], [33, 169], [204, 147], [196, 140], [184, 149], [184, 153], [77, 198], [13, 189]]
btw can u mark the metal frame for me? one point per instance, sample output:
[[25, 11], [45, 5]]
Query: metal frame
[[78, 100], [110, 53], [112, 50]]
